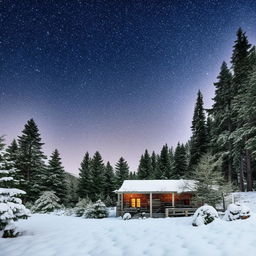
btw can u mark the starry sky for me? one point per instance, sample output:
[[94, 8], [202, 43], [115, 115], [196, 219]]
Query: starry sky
[[114, 76]]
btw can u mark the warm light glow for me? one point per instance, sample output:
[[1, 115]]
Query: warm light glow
[[133, 202], [138, 202]]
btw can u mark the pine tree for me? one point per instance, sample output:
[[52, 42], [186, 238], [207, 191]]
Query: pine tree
[[11, 207], [85, 178], [180, 162], [222, 124], [209, 177], [31, 159], [154, 164], [198, 145], [165, 168], [241, 66], [55, 179], [122, 172], [145, 170], [110, 184], [98, 177], [47, 202]]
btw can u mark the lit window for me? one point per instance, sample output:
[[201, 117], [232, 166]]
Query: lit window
[[133, 202], [138, 202]]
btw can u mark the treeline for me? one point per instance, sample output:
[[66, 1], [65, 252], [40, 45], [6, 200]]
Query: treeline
[[227, 131]]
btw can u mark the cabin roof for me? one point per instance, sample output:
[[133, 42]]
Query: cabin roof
[[147, 186]]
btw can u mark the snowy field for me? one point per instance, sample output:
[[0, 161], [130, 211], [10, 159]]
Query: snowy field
[[50, 235]]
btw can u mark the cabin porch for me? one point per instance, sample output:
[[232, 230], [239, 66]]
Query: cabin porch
[[156, 204]]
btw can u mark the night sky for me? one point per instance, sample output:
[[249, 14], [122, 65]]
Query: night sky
[[114, 76]]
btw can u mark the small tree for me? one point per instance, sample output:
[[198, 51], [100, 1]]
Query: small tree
[[210, 186], [47, 202], [11, 207], [82, 206], [97, 211]]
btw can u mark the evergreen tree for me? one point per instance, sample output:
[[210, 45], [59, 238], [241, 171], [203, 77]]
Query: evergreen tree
[[222, 124], [241, 66], [122, 172], [31, 159], [11, 207], [98, 177], [110, 184], [145, 170], [154, 164], [198, 145], [85, 178], [180, 162], [55, 179], [165, 168]]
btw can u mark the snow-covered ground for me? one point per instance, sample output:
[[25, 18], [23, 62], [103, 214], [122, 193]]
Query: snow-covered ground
[[50, 235]]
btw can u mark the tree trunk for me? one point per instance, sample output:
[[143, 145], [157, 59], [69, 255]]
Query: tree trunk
[[241, 175], [249, 170]]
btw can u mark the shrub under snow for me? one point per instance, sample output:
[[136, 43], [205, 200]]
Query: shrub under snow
[[47, 202], [82, 206], [204, 215], [237, 211], [97, 210], [127, 216]]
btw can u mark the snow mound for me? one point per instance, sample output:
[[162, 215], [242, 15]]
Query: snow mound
[[127, 216], [237, 211], [204, 215]]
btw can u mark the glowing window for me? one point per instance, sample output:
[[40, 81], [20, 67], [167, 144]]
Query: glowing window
[[138, 202], [133, 202]]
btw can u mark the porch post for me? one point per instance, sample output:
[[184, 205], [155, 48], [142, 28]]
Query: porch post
[[173, 200], [122, 203], [150, 203]]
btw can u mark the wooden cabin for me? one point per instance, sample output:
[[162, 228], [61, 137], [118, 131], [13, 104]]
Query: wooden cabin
[[156, 198]]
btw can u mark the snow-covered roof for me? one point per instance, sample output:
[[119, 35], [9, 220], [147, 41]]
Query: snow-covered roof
[[157, 186]]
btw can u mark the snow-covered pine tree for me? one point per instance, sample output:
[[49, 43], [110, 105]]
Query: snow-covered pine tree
[[47, 202], [85, 178], [122, 171], [11, 207], [198, 143], [211, 186], [222, 123], [242, 68], [55, 179], [82, 206], [154, 164], [145, 170], [31, 160], [97, 211], [180, 162]]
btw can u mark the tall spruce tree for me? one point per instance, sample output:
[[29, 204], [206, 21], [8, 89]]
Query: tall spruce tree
[[85, 178], [222, 123], [122, 171], [145, 170], [110, 184], [98, 177], [165, 168], [154, 164], [199, 140], [55, 179], [241, 67], [180, 162], [31, 159]]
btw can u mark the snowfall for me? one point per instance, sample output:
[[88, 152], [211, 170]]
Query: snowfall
[[51, 235]]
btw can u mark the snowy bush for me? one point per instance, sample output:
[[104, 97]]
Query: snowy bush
[[11, 207], [204, 215], [127, 216], [81, 207], [236, 211], [97, 210], [47, 202]]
